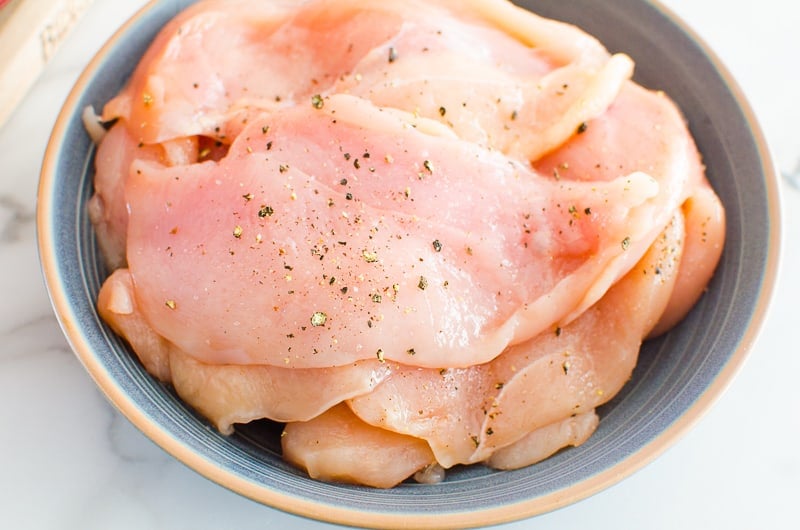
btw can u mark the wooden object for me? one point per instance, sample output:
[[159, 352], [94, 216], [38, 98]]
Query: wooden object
[[30, 33]]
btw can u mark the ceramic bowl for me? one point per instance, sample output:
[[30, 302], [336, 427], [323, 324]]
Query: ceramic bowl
[[677, 379]]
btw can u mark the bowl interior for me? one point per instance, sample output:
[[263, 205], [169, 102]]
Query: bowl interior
[[677, 377]]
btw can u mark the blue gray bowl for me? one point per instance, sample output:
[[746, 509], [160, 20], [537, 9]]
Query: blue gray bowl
[[678, 377]]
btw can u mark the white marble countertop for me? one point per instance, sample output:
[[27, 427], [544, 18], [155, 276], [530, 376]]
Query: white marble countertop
[[68, 460]]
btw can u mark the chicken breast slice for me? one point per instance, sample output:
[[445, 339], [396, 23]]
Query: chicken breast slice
[[230, 394], [337, 446], [291, 231], [467, 414]]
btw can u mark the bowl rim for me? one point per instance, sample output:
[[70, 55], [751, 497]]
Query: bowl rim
[[69, 322]]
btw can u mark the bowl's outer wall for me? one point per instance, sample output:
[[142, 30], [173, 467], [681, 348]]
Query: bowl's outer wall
[[671, 382]]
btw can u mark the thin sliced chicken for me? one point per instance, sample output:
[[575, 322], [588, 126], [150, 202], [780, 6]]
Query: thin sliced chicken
[[337, 446], [298, 233], [446, 226], [467, 414], [107, 208], [181, 89], [705, 235], [485, 86], [545, 442], [227, 394]]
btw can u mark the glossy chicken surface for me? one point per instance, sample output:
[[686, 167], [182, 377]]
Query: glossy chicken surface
[[421, 234]]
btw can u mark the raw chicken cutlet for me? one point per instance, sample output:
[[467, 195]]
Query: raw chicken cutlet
[[420, 234]]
